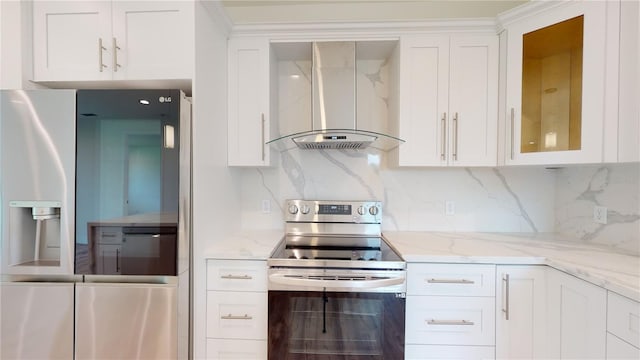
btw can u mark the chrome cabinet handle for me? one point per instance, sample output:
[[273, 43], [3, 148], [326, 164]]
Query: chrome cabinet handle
[[505, 282], [236, 277], [118, 260], [450, 281], [449, 322], [262, 143], [455, 137], [115, 55], [512, 132], [443, 148], [236, 317], [101, 48]]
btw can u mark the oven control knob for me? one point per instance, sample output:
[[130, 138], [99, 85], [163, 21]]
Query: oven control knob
[[373, 210], [293, 209], [305, 209], [362, 210]]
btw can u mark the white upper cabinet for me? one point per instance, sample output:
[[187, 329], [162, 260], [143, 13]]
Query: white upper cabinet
[[120, 40], [248, 122], [556, 83], [628, 129], [448, 100]]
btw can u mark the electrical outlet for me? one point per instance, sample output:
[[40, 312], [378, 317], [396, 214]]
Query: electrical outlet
[[600, 214], [449, 208], [266, 206]]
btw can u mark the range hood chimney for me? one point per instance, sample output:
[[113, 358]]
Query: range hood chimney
[[334, 117]]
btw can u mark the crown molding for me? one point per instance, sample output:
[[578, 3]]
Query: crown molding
[[361, 29], [219, 15], [532, 8]]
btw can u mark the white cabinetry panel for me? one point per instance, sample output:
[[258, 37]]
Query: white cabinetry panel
[[449, 279], [576, 317], [435, 352], [248, 124], [520, 309], [618, 349], [223, 349], [448, 100], [112, 40]]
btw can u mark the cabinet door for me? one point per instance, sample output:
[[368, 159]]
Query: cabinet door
[[71, 40], [556, 85], [620, 350], [520, 309], [424, 87], [473, 101], [576, 318], [237, 315], [152, 40], [223, 349], [108, 260], [248, 126]]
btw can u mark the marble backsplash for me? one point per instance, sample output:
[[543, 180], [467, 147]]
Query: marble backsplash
[[484, 199], [616, 187], [507, 199]]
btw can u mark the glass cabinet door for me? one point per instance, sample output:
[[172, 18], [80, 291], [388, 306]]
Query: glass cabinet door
[[552, 87], [556, 66]]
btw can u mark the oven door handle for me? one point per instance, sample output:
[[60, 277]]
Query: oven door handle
[[283, 279]]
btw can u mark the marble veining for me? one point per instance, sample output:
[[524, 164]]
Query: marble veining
[[614, 186]]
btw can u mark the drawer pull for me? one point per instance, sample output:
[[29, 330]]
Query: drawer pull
[[236, 317], [236, 277], [449, 322], [450, 281]]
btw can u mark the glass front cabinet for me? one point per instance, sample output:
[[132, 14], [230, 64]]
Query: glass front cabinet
[[556, 82]]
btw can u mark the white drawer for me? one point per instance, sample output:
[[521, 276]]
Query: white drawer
[[444, 320], [237, 315], [623, 318], [451, 279], [621, 350], [237, 275], [219, 349], [420, 352]]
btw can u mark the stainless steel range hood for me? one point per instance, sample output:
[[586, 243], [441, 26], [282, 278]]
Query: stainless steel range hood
[[334, 104]]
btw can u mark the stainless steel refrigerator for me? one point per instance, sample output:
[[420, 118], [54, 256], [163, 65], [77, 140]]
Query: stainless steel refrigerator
[[95, 219]]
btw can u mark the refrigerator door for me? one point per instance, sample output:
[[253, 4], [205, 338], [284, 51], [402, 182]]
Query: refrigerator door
[[37, 320], [126, 321], [37, 157]]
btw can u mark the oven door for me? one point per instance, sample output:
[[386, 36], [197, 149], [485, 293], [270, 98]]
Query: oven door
[[336, 325]]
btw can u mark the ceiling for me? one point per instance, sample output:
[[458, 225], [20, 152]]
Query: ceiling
[[294, 11]]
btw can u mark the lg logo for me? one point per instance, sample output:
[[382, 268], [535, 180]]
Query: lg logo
[[164, 99]]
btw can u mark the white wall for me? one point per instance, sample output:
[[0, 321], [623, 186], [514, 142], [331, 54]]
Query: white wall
[[214, 195]]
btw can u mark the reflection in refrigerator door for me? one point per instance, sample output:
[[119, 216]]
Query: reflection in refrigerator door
[[126, 321]]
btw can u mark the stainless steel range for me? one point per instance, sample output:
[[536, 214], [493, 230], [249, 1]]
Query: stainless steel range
[[336, 288]]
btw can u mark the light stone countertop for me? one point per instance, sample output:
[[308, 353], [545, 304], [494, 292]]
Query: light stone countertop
[[599, 265]]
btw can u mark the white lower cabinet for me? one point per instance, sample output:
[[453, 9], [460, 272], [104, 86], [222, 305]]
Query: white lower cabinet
[[520, 310], [237, 309], [424, 352], [623, 327], [576, 318], [450, 311], [222, 349]]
